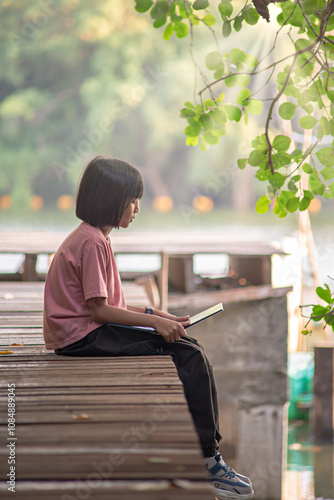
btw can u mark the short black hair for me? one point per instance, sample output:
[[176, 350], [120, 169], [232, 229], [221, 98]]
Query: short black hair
[[106, 188]]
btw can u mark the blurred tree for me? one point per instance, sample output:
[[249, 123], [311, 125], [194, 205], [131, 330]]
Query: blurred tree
[[79, 79]]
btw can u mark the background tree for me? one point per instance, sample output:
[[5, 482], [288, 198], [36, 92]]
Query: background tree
[[303, 96]]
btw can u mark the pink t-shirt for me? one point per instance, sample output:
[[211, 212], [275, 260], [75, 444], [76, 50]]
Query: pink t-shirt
[[83, 267]]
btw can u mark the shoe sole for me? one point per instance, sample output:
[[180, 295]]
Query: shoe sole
[[224, 494]]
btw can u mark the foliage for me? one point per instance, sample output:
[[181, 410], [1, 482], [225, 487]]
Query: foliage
[[304, 91], [78, 79], [320, 312]]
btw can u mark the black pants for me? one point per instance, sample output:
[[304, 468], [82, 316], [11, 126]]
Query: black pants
[[193, 367]]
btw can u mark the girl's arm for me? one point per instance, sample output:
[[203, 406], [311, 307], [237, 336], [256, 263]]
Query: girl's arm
[[102, 312], [162, 314]]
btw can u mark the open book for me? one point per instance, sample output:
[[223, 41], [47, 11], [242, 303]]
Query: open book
[[205, 314]]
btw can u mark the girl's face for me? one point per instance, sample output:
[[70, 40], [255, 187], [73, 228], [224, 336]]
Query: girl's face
[[130, 213]]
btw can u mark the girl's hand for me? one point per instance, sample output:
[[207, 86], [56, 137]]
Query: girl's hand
[[184, 320], [170, 329]]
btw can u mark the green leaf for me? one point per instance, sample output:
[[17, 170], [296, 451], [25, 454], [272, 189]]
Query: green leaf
[[307, 168], [205, 121], [175, 18], [271, 191], [251, 16], [181, 29], [296, 154], [260, 143], [218, 116], [324, 293], [292, 186], [219, 72], [200, 4], [287, 110], [311, 6], [291, 14], [277, 180], [169, 30], [210, 138], [186, 112], [189, 104], [225, 9], [231, 81], [330, 95], [237, 55], [331, 188], [238, 23], [254, 106], [227, 29], [143, 5], [256, 158], [316, 186], [192, 131], [160, 9], [208, 103], [304, 204], [306, 200], [326, 156], [209, 20], [327, 173], [250, 60], [318, 312], [262, 175], [281, 143], [242, 96], [242, 80], [213, 60], [262, 205], [233, 112], [308, 122], [292, 205], [159, 22], [242, 162], [192, 141]]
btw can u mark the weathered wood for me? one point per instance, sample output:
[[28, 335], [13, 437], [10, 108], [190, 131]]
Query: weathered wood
[[231, 296], [29, 267], [323, 400], [110, 418], [247, 346], [181, 274], [96, 488], [147, 242], [255, 269]]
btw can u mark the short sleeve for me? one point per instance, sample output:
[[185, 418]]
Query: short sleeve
[[94, 272]]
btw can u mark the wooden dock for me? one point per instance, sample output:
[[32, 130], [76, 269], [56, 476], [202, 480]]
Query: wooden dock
[[93, 428]]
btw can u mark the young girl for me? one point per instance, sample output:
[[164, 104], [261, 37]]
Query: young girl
[[84, 300]]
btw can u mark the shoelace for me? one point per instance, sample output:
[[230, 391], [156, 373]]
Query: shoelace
[[229, 472]]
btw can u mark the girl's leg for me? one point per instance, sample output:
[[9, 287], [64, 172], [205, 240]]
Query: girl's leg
[[194, 370], [196, 373]]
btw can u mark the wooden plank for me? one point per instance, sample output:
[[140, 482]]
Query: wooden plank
[[231, 296], [145, 456], [30, 414], [95, 487], [23, 330], [32, 339], [74, 413], [48, 242], [323, 401]]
